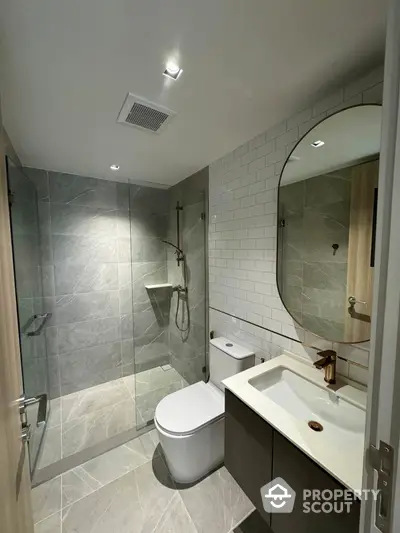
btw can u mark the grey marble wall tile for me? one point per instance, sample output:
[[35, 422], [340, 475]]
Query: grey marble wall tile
[[127, 351], [151, 346], [123, 196], [291, 273], [46, 499], [47, 274], [191, 369], [323, 327], [79, 335], [327, 189], [79, 190], [125, 275], [85, 250], [85, 306], [123, 224], [191, 190], [89, 367], [67, 219], [46, 248], [147, 224], [125, 251], [291, 199], [54, 376], [76, 278], [325, 275], [293, 297], [329, 304], [148, 199], [40, 179], [35, 376], [51, 333], [149, 323], [153, 250], [125, 301], [126, 327], [322, 231], [149, 273]]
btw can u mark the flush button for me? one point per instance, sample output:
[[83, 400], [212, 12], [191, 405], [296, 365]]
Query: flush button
[[229, 345]]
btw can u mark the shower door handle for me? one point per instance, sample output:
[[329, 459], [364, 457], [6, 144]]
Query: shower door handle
[[41, 399]]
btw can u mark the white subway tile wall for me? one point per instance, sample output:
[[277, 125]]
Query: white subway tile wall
[[244, 300]]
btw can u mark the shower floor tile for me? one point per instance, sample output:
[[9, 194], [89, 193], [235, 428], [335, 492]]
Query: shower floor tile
[[130, 489], [85, 418]]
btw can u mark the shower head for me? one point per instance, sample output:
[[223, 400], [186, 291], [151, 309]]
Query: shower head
[[173, 245]]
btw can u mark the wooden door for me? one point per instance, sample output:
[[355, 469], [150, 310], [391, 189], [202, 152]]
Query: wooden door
[[15, 503], [364, 183]]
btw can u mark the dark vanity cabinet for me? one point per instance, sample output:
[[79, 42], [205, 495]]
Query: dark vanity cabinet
[[255, 454], [248, 449]]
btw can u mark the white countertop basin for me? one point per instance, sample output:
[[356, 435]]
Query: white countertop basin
[[288, 394]]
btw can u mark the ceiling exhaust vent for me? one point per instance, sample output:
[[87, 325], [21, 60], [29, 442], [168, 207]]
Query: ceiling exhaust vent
[[144, 115]]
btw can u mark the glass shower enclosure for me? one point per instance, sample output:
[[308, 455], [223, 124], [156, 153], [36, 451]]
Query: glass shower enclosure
[[30, 303], [169, 296]]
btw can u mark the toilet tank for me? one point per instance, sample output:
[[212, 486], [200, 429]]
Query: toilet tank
[[226, 359]]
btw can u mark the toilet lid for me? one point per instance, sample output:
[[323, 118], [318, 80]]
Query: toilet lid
[[188, 409]]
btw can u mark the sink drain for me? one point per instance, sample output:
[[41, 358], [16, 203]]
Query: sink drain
[[315, 426]]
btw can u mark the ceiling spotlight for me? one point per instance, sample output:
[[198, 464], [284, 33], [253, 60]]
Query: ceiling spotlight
[[114, 167], [317, 144], [172, 71]]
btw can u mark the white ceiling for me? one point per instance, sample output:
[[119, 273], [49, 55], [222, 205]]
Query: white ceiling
[[349, 136], [247, 64]]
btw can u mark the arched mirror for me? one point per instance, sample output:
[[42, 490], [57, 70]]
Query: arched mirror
[[326, 225]]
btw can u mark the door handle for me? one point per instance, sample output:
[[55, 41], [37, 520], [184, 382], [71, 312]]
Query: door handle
[[26, 433], [353, 301]]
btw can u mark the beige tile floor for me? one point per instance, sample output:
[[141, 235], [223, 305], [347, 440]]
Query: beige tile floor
[[83, 419], [130, 490]]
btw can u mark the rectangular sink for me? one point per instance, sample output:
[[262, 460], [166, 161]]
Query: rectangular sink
[[307, 402]]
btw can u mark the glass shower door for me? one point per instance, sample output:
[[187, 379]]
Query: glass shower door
[[169, 309], [28, 279]]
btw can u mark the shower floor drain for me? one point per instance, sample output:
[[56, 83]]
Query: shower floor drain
[[315, 426]]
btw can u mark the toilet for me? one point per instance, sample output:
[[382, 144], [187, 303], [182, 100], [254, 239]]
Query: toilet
[[190, 422]]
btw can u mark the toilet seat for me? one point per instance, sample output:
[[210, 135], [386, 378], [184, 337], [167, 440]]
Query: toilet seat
[[190, 409]]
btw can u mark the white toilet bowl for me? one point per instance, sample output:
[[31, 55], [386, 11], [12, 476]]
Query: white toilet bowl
[[190, 422], [190, 425]]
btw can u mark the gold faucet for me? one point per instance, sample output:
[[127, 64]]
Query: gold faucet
[[328, 363]]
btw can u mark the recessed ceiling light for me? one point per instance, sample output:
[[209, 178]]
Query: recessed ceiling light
[[172, 71], [114, 167], [317, 144]]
